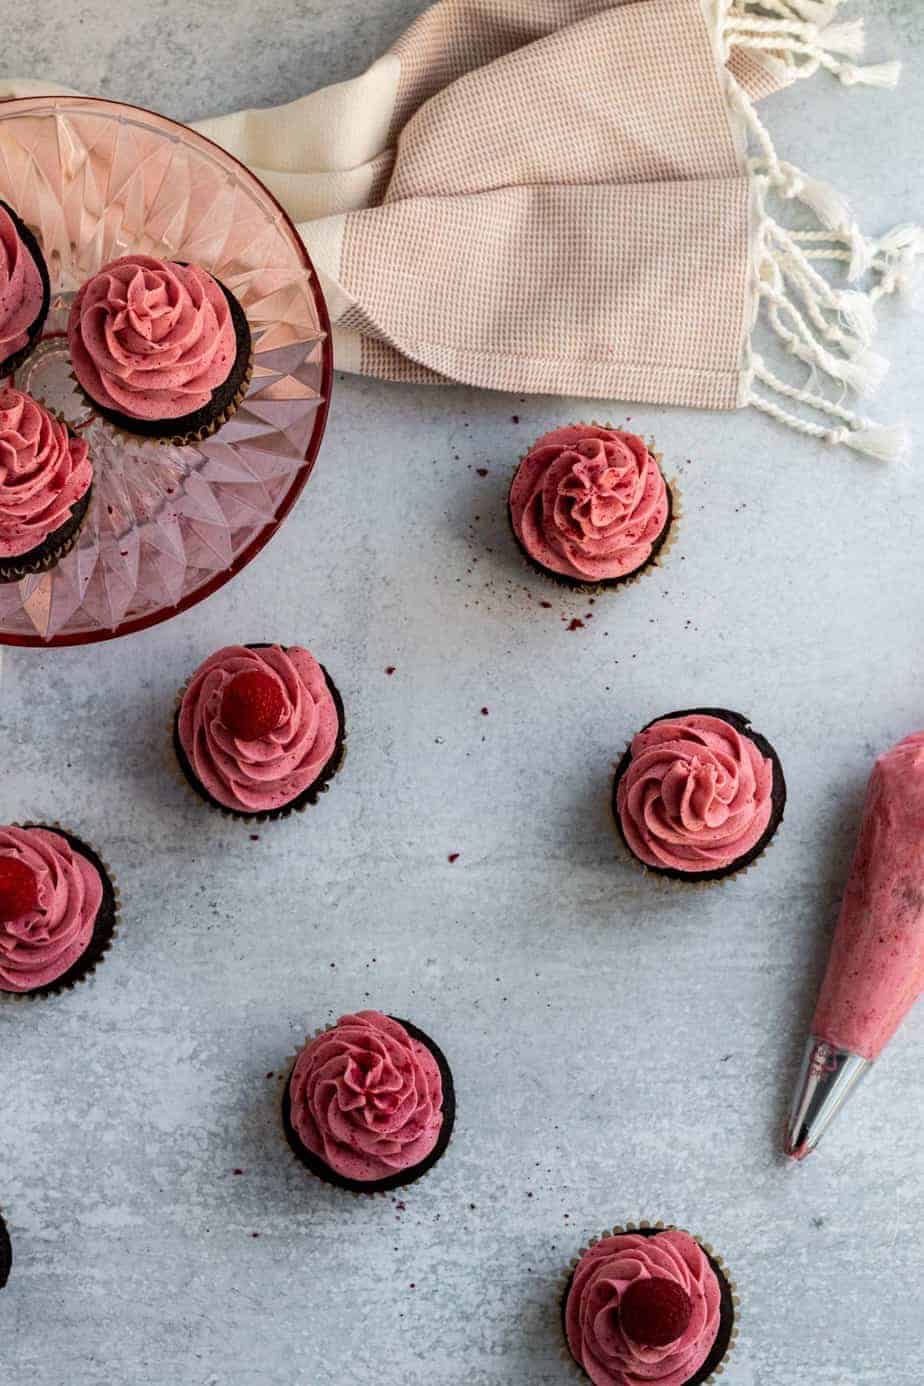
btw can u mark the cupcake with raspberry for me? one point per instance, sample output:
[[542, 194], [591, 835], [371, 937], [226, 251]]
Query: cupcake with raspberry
[[58, 908], [45, 481], [6, 1253], [649, 1305], [590, 507], [698, 795], [24, 291], [161, 349], [369, 1104], [259, 730]]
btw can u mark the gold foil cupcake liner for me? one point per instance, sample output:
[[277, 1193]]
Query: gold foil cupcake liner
[[263, 815], [596, 589], [564, 1283], [282, 1084], [53, 557], [182, 440], [58, 988]]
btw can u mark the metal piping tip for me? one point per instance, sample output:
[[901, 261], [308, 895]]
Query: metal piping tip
[[826, 1080]]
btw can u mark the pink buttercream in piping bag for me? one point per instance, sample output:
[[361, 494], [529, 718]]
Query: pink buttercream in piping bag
[[44, 472], [366, 1097], [21, 289], [40, 947], [603, 1274], [696, 795], [151, 338], [589, 502], [265, 774], [876, 969]]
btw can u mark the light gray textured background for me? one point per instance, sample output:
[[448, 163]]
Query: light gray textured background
[[619, 1051]]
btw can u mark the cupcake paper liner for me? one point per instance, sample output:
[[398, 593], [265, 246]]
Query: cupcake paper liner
[[11, 364], [727, 1336], [669, 879], [186, 776], [659, 551], [403, 1179], [105, 930], [6, 1252], [42, 559]]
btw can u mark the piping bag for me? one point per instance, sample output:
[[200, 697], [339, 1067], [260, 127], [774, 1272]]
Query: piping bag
[[876, 967]]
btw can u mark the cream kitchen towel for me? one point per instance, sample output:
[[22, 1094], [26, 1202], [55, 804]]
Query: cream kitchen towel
[[574, 197]]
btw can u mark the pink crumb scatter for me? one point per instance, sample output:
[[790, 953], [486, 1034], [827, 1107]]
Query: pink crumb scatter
[[453, 856]]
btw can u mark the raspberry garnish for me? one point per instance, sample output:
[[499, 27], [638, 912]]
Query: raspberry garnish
[[18, 889], [253, 704], [655, 1311]]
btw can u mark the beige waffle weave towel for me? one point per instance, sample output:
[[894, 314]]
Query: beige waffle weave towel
[[558, 196]]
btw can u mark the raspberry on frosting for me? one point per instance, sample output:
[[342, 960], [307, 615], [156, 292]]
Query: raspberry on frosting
[[44, 472], [589, 503], [39, 945], [366, 1098], [21, 289], [612, 1292], [289, 706], [696, 795], [151, 338]]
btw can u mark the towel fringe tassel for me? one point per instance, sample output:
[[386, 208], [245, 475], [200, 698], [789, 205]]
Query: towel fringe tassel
[[827, 327]]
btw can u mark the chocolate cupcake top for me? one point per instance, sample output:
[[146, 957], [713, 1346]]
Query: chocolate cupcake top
[[258, 726], [44, 471], [50, 896], [366, 1098], [22, 291], [643, 1311], [696, 794], [589, 503], [151, 338]]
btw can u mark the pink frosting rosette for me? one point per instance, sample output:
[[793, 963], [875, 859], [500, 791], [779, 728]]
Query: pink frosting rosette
[[22, 291], [40, 945], [44, 472], [598, 1335], [366, 1098], [151, 338], [589, 503], [696, 795], [267, 772]]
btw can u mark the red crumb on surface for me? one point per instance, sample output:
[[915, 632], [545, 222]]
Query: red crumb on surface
[[237, 1171], [484, 712], [514, 418], [547, 605], [575, 624], [453, 856], [482, 471], [389, 669], [271, 1075], [255, 837]]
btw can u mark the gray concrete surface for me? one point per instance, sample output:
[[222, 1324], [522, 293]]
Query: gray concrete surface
[[619, 1051]]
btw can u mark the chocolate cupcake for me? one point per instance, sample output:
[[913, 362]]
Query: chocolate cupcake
[[160, 348], [649, 1304], [6, 1253], [45, 480], [698, 795], [58, 908], [589, 506], [25, 292], [259, 730], [369, 1104]]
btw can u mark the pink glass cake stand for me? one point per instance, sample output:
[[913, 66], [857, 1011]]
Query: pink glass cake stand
[[167, 526]]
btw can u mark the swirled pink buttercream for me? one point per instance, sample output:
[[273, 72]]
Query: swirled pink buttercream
[[252, 776], [21, 289], [592, 1321], [366, 1097], [44, 472], [589, 502], [44, 943], [151, 338], [696, 795]]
